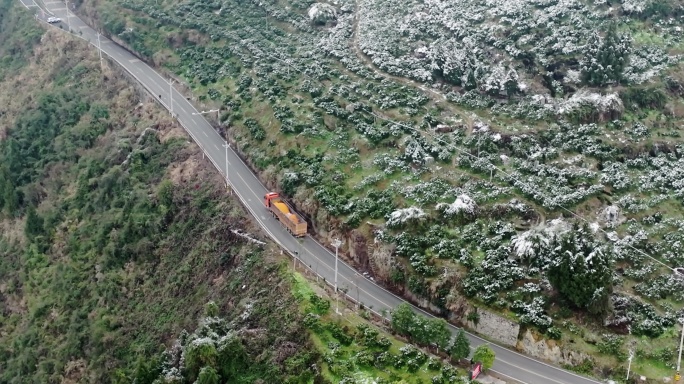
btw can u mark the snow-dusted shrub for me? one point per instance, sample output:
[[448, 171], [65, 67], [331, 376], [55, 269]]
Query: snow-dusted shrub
[[427, 191], [495, 274], [322, 12], [611, 345], [404, 216], [659, 287], [422, 264], [463, 205], [585, 103], [616, 174], [532, 313], [528, 246], [641, 318]]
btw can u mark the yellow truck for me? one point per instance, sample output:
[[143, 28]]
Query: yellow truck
[[287, 217]]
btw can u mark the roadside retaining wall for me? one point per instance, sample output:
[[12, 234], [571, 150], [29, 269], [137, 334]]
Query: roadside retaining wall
[[496, 328]]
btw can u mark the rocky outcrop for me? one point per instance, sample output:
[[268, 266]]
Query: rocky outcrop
[[382, 261], [549, 350], [358, 250]]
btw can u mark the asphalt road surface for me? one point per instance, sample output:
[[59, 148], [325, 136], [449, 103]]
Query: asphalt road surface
[[250, 191]]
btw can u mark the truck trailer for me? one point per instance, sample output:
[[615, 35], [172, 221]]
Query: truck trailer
[[283, 213]]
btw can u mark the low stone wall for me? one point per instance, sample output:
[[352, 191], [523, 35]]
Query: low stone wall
[[495, 327]]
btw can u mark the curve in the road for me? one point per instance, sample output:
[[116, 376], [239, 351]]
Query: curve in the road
[[250, 190]]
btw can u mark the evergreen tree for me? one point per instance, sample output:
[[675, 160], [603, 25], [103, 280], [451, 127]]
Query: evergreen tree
[[403, 319], [471, 81], [581, 270], [461, 348], [605, 58], [419, 330], [34, 224], [200, 355], [484, 355], [208, 375], [438, 332], [10, 198]]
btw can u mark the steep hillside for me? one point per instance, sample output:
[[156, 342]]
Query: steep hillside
[[114, 232]]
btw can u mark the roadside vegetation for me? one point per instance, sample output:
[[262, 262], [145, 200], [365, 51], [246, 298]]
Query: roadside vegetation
[[455, 144], [115, 233], [357, 349]]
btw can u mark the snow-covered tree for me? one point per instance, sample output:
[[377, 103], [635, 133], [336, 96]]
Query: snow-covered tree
[[533, 246], [582, 270], [605, 58], [463, 205], [405, 215]]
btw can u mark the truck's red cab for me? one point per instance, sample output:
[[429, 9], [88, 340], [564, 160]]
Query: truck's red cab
[[268, 197]]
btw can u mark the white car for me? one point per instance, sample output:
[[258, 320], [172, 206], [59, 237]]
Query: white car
[[53, 20]]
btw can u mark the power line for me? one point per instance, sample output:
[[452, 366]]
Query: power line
[[447, 144]]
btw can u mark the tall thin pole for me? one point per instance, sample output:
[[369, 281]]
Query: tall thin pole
[[681, 341], [356, 284], [99, 48], [337, 295], [225, 145], [336, 243], [629, 366], [66, 2], [171, 96]]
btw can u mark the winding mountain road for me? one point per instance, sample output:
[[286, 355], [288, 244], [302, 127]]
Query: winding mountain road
[[250, 191]]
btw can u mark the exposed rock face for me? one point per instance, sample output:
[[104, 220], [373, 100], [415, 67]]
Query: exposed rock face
[[358, 250], [382, 260], [496, 327], [548, 350], [419, 301]]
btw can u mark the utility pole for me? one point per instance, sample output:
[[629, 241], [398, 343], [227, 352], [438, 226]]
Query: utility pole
[[356, 285], [66, 2], [99, 48], [171, 96], [225, 143], [336, 243], [629, 366], [226, 146], [679, 359]]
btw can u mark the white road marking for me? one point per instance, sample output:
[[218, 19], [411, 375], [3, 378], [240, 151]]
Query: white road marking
[[135, 61]]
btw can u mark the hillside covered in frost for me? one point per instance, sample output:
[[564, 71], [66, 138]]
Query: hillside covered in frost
[[520, 156]]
